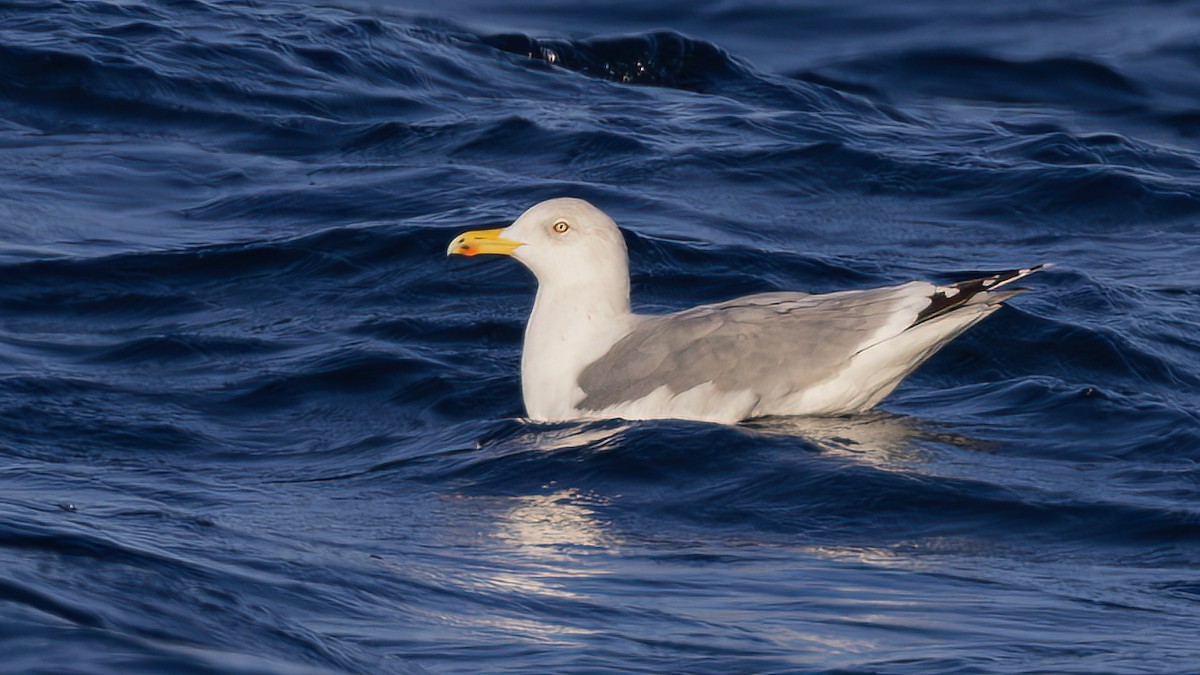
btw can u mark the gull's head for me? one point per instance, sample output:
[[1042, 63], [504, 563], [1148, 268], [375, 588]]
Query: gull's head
[[560, 240]]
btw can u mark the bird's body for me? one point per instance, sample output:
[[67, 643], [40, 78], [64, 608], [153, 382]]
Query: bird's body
[[587, 355]]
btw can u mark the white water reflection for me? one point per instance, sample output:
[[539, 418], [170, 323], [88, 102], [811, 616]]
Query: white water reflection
[[555, 526], [595, 434], [885, 440], [548, 541]]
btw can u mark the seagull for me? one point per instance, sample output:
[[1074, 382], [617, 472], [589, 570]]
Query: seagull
[[587, 355]]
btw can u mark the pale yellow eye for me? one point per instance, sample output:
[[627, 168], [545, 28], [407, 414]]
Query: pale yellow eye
[[561, 226]]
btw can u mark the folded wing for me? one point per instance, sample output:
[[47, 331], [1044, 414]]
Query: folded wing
[[775, 344]]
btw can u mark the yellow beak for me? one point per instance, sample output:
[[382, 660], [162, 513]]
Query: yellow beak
[[482, 241]]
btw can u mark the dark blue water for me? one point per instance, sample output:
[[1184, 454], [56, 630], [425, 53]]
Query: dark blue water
[[253, 420]]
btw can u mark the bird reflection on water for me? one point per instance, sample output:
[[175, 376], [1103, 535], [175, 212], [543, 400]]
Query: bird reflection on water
[[566, 542], [561, 518], [879, 438]]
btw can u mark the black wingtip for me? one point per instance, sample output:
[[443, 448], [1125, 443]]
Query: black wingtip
[[946, 299]]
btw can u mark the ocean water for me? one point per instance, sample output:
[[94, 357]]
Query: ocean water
[[253, 420]]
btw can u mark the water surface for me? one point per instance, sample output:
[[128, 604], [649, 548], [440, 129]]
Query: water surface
[[253, 420]]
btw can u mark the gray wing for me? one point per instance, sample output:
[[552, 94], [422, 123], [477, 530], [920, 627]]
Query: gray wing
[[752, 343], [773, 342]]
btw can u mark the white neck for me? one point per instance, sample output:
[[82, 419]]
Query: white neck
[[571, 326]]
